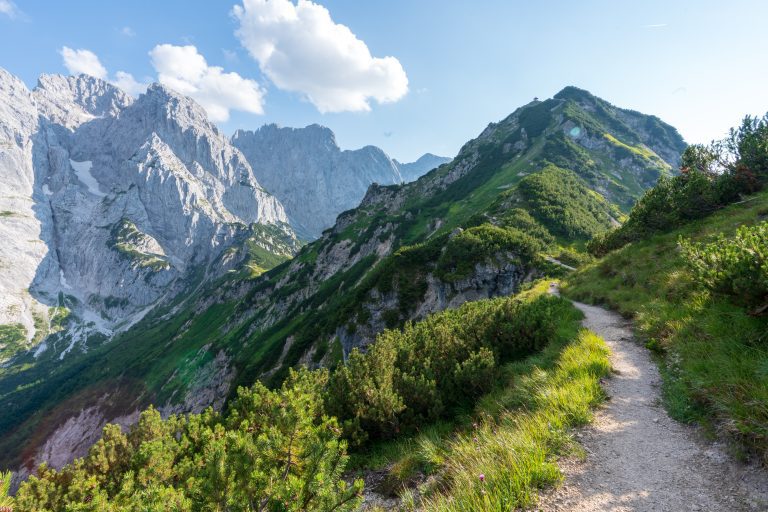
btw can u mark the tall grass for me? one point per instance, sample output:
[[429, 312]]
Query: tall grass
[[502, 463]]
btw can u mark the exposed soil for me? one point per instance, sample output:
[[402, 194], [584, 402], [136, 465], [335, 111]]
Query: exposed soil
[[638, 458]]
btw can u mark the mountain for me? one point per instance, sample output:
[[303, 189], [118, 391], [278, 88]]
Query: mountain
[[315, 180], [112, 206], [547, 177], [414, 170]]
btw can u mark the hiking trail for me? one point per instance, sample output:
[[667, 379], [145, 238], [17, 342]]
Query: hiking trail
[[637, 457]]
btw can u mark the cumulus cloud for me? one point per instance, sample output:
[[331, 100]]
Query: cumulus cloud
[[185, 70], [126, 82], [300, 48], [82, 61], [85, 61], [9, 9], [127, 31]]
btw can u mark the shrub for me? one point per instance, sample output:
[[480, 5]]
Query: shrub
[[423, 372], [520, 219], [736, 267], [671, 203], [274, 450], [711, 177], [573, 257], [560, 201], [5, 486], [478, 245]]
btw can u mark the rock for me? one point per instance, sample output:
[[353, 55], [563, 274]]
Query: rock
[[112, 202], [315, 180]]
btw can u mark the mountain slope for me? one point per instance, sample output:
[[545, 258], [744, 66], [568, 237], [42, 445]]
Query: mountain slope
[[116, 205], [315, 180], [474, 228]]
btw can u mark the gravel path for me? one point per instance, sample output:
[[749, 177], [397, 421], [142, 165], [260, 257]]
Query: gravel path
[[638, 458]]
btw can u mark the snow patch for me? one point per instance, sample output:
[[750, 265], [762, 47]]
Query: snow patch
[[63, 280], [42, 347], [83, 172], [47, 190]]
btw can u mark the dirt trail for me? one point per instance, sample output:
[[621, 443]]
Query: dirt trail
[[638, 458]]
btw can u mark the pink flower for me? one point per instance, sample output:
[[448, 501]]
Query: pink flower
[[482, 477]]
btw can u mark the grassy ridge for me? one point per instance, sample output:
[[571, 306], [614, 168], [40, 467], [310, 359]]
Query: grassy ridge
[[715, 354]]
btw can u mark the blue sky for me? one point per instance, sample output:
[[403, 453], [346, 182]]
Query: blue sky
[[699, 65]]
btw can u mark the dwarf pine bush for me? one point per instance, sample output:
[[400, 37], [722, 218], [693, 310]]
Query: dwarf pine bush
[[274, 450], [736, 267], [417, 375]]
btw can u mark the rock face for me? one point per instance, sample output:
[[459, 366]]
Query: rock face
[[315, 180], [110, 204]]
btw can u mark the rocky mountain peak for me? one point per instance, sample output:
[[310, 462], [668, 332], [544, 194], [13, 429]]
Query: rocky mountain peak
[[163, 103], [72, 100], [313, 137], [115, 201], [426, 162], [308, 172]]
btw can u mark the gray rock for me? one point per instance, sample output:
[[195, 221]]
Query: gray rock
[[110, 204], [315, 180]]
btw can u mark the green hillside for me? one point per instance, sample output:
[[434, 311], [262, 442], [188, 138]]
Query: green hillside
[[548, 177]]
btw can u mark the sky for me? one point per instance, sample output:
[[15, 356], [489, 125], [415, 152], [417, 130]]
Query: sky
[[409, 76]]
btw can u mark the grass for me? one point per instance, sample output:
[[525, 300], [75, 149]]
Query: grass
[[126, 239], [636, 150], [13, 338], [512, 436], [714, 355], [516, 453]]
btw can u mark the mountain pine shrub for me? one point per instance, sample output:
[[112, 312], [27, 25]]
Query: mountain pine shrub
[[274, 450], [711, 177], [421, 373], [736, 267]]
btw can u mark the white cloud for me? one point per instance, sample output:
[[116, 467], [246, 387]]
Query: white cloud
[[127, 31], [300, 48], [82, 61], [126, 82], [185, 70], [85, 61], [9, 9]]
